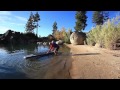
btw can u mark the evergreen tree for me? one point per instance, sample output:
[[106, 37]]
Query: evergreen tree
[[30, 26], [99, 17], [81, 20], [36, 20], [32, 23], [54, 28]]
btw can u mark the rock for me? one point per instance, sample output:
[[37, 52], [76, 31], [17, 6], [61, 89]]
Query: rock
[[93, 44], [39, 43], [44, 43], [60, 42], [97, 45], [77, 38]]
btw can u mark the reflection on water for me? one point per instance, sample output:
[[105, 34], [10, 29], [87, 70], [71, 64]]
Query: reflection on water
[[13, 65]]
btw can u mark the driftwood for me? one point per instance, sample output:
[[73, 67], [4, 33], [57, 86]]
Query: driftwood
[[38, 55]]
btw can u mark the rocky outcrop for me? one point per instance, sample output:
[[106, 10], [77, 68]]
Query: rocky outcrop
[[17, 37], [6, 37], [77, 38]]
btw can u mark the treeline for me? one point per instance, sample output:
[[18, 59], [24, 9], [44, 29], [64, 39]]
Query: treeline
[[63, 34], [99, 17]]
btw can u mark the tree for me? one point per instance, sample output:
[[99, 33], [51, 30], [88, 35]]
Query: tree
[[57, 35], [30, 26], [32, 23], [62, 33], [36, 20], [54, 28], [99, 17], [70, 31], [81, 20], [67, 36]]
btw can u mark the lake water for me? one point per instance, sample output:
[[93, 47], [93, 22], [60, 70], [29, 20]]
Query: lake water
[[14, 66]]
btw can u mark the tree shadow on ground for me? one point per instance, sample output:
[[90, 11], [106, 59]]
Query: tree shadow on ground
[[86, 54], [70, 54]]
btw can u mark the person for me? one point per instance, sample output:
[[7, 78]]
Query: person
[[53, 47]]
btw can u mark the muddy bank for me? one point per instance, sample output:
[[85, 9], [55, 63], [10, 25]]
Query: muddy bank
[[94, 63]]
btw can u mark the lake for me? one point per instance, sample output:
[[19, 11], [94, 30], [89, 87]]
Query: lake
[[14, 66]]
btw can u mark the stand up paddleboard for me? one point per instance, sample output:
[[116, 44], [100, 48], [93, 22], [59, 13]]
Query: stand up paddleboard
[[37, 55]]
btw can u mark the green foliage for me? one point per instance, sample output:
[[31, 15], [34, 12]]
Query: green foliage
[[107, 34], [81, 20], [67, 36], [63, 35], [36, 20], [94, 35], [57, 35], [99, 17], [54, 27], [32, 23], [30, 36], [36, 17]]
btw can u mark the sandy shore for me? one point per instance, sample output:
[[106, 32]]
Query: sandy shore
[[89, 62]]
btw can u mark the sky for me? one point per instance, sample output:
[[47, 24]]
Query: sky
[[16, 20]]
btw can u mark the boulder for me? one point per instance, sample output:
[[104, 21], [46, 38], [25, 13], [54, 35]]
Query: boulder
[[97, 45], [77, 38], [60, 42]]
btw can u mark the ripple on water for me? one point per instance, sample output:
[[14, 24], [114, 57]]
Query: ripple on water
[[36, 64], [32, 67]]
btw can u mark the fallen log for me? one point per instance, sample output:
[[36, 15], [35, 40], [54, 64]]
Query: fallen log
[[37, 55]]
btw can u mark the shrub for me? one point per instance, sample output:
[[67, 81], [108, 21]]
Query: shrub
[[67, 37], [107, 34]]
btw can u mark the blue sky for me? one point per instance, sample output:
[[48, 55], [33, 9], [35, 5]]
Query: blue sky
[[16, 20]]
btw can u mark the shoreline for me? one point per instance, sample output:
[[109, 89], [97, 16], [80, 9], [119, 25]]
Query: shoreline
[[90, 62]]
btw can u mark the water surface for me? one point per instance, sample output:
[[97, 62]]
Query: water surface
[[14, 66]]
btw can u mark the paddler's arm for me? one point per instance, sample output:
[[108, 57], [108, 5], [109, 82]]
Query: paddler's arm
[[51, 48]]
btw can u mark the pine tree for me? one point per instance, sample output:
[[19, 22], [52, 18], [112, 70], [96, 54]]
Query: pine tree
[[32, 23], [81, 20], [36, 20], [30, 26], [99, 17], [54, 28]]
